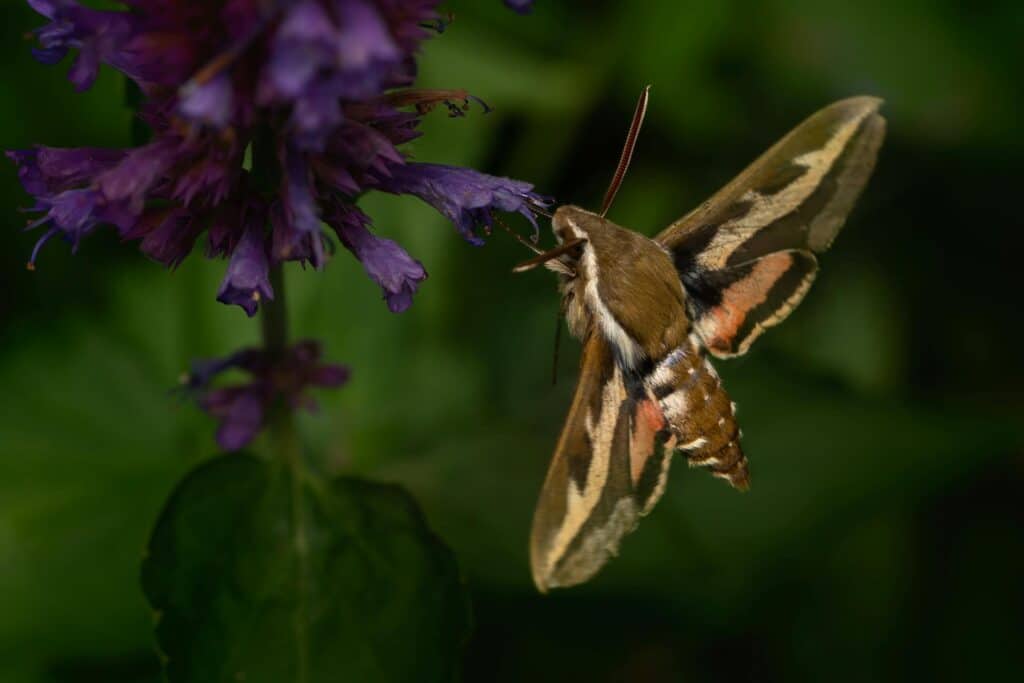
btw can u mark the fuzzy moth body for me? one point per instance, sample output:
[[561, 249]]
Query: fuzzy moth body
[[650, 312]]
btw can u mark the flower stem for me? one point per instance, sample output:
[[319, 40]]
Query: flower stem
[[274, 314], [286, 446], [274, 318]]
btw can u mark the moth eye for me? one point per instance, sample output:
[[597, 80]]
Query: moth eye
[[571, 257]]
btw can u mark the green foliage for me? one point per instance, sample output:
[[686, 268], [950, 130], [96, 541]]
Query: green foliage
[[259, 576]]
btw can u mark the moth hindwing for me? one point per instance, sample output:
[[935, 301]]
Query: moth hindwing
[[650, 311]]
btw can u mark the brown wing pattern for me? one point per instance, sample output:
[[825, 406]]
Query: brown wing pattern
[[732, 307], [609, 468], [746, 256]]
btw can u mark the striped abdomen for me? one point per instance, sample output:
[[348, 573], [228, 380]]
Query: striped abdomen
[[701, 420]]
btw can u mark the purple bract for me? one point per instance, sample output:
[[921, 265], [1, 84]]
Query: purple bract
[[243, 409], [521, 6]]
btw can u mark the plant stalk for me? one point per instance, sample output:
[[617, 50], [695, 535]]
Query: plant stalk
[[281, 422], [286, 446], [274, 313]]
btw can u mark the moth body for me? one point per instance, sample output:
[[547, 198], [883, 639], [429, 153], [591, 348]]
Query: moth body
[[650, 313]]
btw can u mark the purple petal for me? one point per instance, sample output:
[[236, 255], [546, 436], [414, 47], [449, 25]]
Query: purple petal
[[140, 170], [338, 178], [211, 103], [320, 56], [119, 214], [520, 6], [359, 148], [330, 376], [225, 230], [315, 116], [49, 56], [241, 408], [398, 274], [166, 56], [296, 222], [48, 8], [302, 45], [302, 362], [99, 36], [85, 68], [240, 411], [74, 212], [365, 41], [167, 236], [465, 196], [50, 170], [210, 178], [59, 179], [305, 352], [409, 19], [300, 203], [247, 281], [203, 371]]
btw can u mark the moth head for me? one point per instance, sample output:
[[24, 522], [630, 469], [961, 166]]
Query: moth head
[[571, 222], [571, 238], [572, 225]]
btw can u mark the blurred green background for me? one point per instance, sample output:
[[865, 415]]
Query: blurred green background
[[884, 422]]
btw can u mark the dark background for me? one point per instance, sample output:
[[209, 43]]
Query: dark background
[[882, 539]]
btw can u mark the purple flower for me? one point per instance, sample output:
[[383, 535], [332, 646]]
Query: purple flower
[[465, 196], [398, 274], [521, 6], [246, 283], [267, 116], [98, 37], [297, 222], [242, 409], [241, 412], [319, 58], [47, 171], [166, 236], [211, 102]]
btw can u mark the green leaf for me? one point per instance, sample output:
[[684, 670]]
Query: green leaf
[[258, 576]]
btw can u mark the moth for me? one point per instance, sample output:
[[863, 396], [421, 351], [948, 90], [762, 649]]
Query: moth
[[652, 312]]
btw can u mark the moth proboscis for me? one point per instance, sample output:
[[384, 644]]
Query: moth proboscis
[[650, 312]]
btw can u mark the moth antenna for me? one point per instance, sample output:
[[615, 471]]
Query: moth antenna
[[627, 150], [518, 238]]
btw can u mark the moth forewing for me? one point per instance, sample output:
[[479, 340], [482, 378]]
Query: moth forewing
[[795, 195], [578, 479], [853, 170]]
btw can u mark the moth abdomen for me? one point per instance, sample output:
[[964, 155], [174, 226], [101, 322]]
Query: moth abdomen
[[699, 414], [714, 418]]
